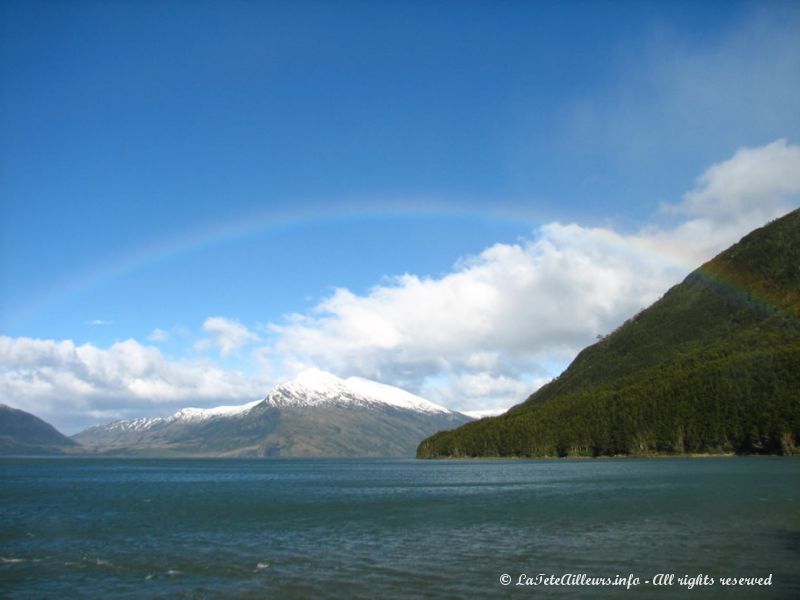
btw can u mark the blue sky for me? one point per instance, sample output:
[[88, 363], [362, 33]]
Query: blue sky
[[245, 189]]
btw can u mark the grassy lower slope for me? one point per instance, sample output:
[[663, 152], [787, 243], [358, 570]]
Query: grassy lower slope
[[714, 366]]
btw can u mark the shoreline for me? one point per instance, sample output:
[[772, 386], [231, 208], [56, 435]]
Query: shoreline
[[606, 457], [188, 457]]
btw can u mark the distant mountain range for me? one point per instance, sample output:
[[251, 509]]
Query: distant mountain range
[[712, 367], [316, 414], [23, 433]]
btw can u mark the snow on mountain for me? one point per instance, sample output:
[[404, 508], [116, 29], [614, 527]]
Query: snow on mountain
[[201, 414], [312, 387], [309, 388], [141, 424], [185, 415], [388, 394]]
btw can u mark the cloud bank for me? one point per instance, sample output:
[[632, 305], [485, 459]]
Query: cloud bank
[[227, 335], [75, 386]]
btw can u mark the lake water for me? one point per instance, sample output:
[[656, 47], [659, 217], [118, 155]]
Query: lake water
[[372, 528]]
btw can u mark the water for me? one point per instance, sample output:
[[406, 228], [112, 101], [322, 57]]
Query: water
[[96, 528]]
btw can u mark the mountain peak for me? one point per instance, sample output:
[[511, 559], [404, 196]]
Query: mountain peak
[[314, 386], [317, 380], [314, 414]]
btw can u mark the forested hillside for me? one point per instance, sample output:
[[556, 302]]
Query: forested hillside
[[713, 366]]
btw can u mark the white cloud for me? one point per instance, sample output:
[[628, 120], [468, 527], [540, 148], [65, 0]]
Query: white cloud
[[495, 318], [99, 322], [476, 336], [158, 335], [485, 412], [64, 383], [227, 335], [481, 392], [730, 199], [727, 190], [735, 196]]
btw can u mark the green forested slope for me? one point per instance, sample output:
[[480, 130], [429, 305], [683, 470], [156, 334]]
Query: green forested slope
[[714, 366]]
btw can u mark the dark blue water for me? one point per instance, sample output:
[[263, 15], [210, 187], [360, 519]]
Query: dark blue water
[[94, 528]]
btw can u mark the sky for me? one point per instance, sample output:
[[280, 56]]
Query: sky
[[198, 200]]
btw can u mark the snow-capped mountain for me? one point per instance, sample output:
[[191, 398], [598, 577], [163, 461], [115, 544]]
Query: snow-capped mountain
[[314, 387], [315, 414]]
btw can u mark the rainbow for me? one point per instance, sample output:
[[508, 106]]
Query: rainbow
[[251, 226]]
